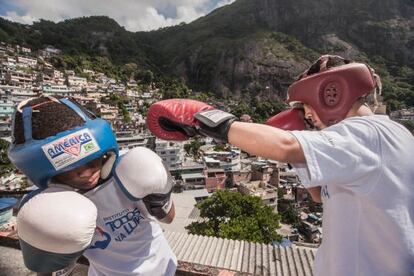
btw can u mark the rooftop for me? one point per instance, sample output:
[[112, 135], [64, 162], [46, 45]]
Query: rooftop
[[200, 255]]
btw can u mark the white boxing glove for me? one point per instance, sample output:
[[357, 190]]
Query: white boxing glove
[[142, 175], [55, 227]]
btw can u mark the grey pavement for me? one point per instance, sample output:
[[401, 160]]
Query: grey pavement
[[11, 264]]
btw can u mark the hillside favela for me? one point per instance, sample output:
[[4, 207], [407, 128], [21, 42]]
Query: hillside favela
[[258, 169]]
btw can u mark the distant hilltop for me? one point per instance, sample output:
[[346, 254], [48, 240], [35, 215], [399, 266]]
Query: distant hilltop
[[250, 48]]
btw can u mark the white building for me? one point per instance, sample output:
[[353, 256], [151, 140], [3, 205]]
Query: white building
[[9, 62], [19, 78], [77, 81], [108, 112], [172, 153], [26, 50], [19, 94], [267, 193], [27, 62], [227, 160], [60, 90], [130, 142], [49, 51]]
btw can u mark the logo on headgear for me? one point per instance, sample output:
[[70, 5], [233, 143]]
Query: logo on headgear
[[71, 144], [71, 148]]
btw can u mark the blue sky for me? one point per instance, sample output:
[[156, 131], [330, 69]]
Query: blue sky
[[134, 15]]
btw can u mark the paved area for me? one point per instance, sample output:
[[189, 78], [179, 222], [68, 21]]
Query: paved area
[[11, 264]]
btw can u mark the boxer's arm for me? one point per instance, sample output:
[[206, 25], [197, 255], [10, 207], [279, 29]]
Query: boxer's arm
[[266, 141]]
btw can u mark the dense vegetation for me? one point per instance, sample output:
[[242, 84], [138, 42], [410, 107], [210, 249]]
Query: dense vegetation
[[234, 52], [235, 216]]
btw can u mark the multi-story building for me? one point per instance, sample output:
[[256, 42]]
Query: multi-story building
[[172, 153], [55, 75], [227, 160], [60, 90], [92, 87], [49, 51], [19, 94], [74, 81], [25, 50], [6, 111], [215, 179], [9, 63], [403, 114], [2, 76], [189, 176], [127, 142], [259, 188], [26, 62], [196, 180], [43, 78], [19, 78], [109, 112]]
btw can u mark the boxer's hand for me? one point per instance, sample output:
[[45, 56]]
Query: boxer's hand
[[54, 228], [141, 174], [180, 119]]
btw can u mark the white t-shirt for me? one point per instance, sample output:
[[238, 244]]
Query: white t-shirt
[[128, 241], [365, 166]]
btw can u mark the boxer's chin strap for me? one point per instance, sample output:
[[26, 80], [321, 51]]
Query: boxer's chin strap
[[377, 90], [27, 124], [109, 164]]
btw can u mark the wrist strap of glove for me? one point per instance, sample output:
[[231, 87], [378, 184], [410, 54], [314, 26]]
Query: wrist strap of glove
[[158, 205], [215, 123], [63, 272]]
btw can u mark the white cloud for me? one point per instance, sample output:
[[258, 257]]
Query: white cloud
[[223, 3], [25, 19], [134, 15]]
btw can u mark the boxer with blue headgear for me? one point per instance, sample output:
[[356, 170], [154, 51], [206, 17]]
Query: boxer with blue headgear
[[90, 201], [59, 150]]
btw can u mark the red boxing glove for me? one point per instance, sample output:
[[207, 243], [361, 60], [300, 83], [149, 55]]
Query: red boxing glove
[[173, 119], [290, 119], [180, 119]]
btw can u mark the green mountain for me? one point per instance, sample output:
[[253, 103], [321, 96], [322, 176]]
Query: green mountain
[[250, 48]]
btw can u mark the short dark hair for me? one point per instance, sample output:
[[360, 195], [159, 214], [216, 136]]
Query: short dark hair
[[49, 117]]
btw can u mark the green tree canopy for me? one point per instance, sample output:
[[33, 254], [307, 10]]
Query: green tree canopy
[[235, 216], [409, 125], [193, 147], [5, 164]]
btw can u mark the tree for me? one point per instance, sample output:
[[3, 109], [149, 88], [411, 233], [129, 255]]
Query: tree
[[221, 147], [235, 216], [145, 76], [5, 164], [128, 70], [290, 215], [193, 147], [409, 125]]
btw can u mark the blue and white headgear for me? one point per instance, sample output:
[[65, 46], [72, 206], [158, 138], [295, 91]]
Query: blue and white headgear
[[40, 160]]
